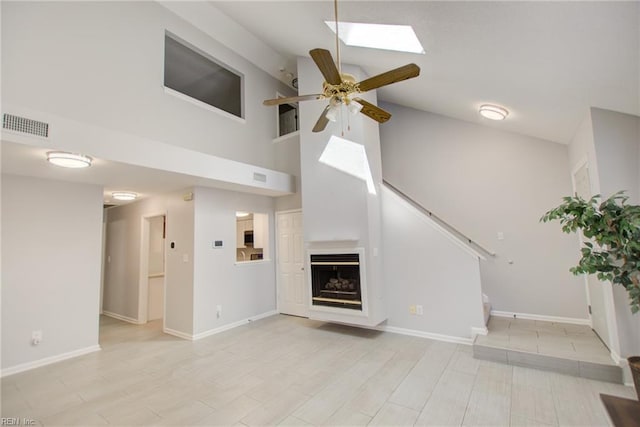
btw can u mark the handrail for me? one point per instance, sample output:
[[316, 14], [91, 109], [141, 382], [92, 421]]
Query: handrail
[[436, 218]]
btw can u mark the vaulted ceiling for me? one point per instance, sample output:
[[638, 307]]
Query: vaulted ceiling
[[546, 62]]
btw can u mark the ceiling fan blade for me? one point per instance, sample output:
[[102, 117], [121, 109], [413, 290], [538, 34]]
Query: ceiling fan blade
[[373, 111], [324, 61], [405, 72], [291, 99], [322, 120]]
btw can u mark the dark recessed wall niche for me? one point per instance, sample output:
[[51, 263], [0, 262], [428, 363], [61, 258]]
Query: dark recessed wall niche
[[198, 76]]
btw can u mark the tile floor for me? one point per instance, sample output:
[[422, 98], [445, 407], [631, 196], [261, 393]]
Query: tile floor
[[295, 372], [576, 342]]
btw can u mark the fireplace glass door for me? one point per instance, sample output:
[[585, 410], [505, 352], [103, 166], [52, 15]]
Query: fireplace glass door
[[335, 280]]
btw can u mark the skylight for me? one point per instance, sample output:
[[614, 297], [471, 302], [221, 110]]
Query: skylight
[[348, 157], [378, 36]]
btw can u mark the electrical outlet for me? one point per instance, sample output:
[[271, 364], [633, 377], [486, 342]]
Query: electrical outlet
[[419, 310], [36, 337], [218, 311], [412, 309]]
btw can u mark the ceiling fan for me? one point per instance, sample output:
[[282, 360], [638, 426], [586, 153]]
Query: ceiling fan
[[342, 89]]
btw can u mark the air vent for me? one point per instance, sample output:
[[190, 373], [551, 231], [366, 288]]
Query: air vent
[[20, 124], [259, 177]]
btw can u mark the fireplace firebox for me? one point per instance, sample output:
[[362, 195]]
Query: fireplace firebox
[[335, 280]]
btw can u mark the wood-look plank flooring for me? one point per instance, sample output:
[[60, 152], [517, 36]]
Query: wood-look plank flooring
[[290, 371]]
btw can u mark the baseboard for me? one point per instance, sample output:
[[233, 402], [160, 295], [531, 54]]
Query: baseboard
[[233, 325], [123, 318], [478, 331], [223, 328], [178, 334], [48, 360], [571, 320], [422, 334]]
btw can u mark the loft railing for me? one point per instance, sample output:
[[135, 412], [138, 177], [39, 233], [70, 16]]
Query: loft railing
[[460, 235]]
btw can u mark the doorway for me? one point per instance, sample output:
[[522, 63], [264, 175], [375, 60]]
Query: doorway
[[596, 290], [152, 268], [293, 292]]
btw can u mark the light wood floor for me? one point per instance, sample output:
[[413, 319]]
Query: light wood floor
[[290, 371]]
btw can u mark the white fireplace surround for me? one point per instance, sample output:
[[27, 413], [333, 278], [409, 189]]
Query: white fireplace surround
[[321, 312]]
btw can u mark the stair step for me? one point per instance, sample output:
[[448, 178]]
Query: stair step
[[577, 368]]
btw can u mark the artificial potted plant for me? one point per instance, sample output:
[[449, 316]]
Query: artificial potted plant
[[611, 248]]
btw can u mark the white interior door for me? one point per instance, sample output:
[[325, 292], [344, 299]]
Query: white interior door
[[293, 293], [595, 288]]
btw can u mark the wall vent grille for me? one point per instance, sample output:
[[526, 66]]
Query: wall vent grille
[[21, 124]]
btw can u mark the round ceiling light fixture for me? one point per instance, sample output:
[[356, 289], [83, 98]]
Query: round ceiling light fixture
[[124, 195], [241, 214], [69, 160], [493, 112]]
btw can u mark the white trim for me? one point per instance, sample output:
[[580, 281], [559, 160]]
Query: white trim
[[286, 137], [123, 318], [232, 325], [49, 360], [204, 105], [178, 334], [253, 262], [627, 375], [571, 320], [479, 331], [195, 337], [286, 211], [428, 335]]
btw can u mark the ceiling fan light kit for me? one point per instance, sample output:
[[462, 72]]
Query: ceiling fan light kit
[[493, 112], [342, 89]]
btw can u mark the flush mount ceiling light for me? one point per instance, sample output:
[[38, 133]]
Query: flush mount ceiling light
[[493, 112], [124, 195], [68, 160], [400, 38], [241, 214]]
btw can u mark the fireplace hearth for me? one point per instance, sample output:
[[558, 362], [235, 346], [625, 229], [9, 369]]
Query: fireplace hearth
[[335, 280]]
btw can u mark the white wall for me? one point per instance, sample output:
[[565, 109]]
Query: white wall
[[51, 250], [288, 161], [179, 265], [338, 209], [102, 63], [424, 265], [617, 145], [244, 290], [484, 181]]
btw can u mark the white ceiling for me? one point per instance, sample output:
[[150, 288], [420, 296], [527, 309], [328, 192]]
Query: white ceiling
[[547, 62], [26, 160]]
